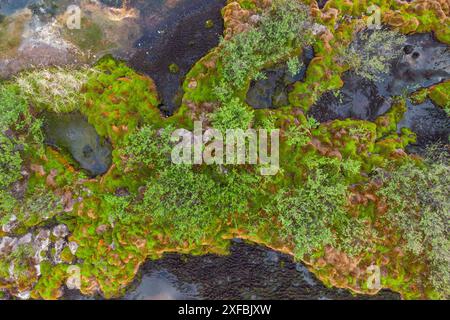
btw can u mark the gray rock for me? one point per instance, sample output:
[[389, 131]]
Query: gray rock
[[60, 231]]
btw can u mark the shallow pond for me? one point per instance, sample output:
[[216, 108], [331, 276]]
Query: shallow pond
[[273, 90], [72, 133]]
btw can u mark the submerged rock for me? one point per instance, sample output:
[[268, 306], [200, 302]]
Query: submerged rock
[[74, 134]]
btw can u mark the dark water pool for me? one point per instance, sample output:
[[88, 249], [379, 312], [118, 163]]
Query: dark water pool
[[71, 132], [272, 91], [175, 33], [249, 272], [423, 63]]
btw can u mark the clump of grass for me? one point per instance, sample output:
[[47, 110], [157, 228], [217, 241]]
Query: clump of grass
[[55, 89]]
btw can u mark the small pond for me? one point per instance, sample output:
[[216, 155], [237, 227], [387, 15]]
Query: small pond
[[71, 132], [272, 91]]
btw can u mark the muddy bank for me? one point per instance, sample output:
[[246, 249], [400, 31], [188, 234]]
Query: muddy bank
[[176, 35], [249, 272]]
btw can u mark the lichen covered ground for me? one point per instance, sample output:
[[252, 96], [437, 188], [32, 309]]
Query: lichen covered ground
[[366, 187]]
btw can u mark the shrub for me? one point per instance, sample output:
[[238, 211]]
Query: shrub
[[183, 199], [294, 65], [419, 207], [15, 115], [148, 147], [7, 204], [12, 106], [278, 32], [300, 135], [233, 114], [10, 162], [192, 203], [313, 213], [371, 53], [116, 208]]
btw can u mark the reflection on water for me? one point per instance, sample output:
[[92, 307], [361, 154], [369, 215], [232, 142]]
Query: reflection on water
[[162, 285]]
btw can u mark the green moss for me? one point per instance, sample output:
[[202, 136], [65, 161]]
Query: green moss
[[119, 100], [209, 24], [173, 68], [439, 94]]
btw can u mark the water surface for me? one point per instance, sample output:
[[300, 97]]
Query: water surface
[[175, 33], [248, 272]]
